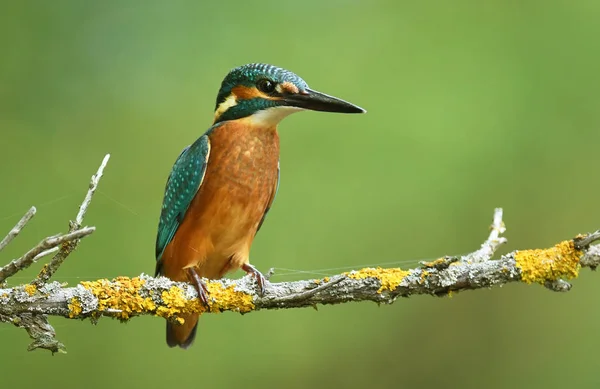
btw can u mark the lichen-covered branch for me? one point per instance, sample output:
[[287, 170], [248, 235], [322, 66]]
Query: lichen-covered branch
[[28, 306], [124, 298]]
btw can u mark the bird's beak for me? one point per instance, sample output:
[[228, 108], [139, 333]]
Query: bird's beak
[[317, 101]]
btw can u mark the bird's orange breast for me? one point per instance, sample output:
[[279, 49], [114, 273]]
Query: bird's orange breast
[[240, 182]]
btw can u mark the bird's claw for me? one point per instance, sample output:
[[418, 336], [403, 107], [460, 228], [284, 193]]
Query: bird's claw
[[260, 278], [200, 287], [203, 294]]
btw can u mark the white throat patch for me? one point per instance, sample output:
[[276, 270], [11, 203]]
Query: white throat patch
[[272, 116]]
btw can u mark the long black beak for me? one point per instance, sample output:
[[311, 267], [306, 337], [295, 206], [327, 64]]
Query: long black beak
[[317, 101]]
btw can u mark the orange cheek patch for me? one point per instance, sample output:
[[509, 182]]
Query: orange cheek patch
[[247, 93]]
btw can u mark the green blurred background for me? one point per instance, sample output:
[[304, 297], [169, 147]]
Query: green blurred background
[[471, 105]]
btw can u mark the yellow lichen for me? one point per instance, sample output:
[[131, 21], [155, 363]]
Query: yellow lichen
[[121, 295], [423, 277], [228, 299], [221, 299], [389, 278], [541, 265], [318, 281], [176, 304], [74, 307], [30, 289]]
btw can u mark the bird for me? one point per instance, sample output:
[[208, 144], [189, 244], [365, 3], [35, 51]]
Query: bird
[[222, 186]]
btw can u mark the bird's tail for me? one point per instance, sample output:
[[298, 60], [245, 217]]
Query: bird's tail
[[182, 335]]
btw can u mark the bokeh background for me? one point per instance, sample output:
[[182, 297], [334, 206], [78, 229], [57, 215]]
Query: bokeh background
[[471, 105]]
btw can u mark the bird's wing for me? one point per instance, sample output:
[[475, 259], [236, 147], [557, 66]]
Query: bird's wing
[[271, 199], [183, 183]]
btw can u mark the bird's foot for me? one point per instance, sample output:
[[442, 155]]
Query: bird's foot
[[260, 278], [199, 285]]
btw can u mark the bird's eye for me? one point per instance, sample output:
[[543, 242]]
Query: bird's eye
[[266, 86]]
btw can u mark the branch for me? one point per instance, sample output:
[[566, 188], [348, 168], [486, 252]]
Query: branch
[[48, 270], [37, 252], [36, 323], [28, 306], [124, 297], [16, 230]]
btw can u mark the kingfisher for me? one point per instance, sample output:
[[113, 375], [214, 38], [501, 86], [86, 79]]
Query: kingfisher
[[222, 186]]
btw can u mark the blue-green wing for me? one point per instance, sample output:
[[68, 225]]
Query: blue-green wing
[[182, 185], [271, 200]]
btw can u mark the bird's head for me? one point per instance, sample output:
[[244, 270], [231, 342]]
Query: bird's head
[[266, 94]]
